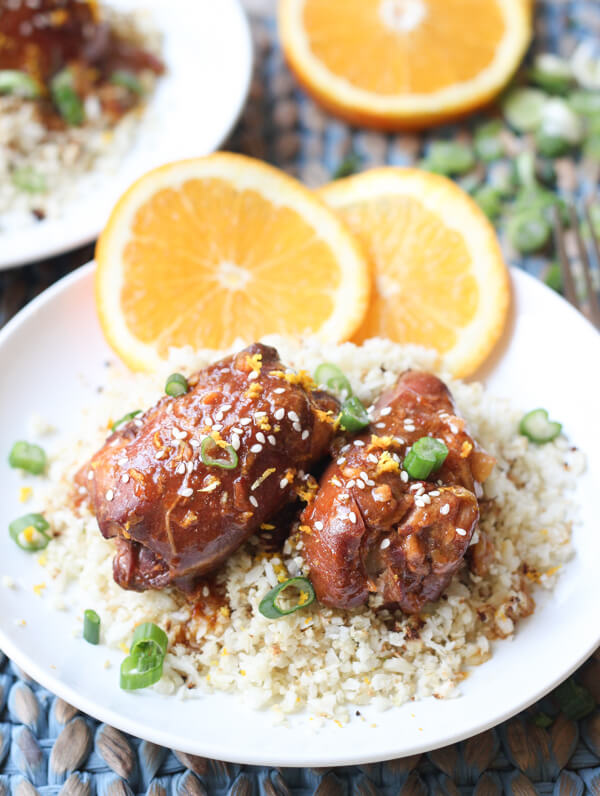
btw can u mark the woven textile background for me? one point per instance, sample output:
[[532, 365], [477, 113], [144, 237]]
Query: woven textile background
[[46, 747]]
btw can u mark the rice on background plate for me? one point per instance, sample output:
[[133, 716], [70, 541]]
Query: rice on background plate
[[323, 660], [62, 159]]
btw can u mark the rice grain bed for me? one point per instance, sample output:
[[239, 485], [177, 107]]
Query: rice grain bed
[[321, 659], [60, 159]]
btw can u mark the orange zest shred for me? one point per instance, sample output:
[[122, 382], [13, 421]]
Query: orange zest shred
[[253, 391], [254, 362], [466, 449], [303, 378], [382, 442], [306, 529], [387, 464]]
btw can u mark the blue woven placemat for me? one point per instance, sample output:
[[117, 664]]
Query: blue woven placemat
[[47, 747]]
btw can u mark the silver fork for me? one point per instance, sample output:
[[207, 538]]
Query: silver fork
[[588, 305]]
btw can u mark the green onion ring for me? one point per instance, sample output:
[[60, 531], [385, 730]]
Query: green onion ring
[[333, 378], [538, 428], [268, 605], [91, 626], [140, 671], [226, 464], [19, 530], [354, 416], [125, 419], [176, 385], [27, 456], [424, 457]]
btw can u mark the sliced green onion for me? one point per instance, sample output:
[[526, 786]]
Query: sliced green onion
[[149, 639], [539, 200], [450, 157], [229, 463], [551, 146], [585, 103], [125, 419], [574, 700], [333, 378], [424, 457], [560, 121], [525, 170], [176, 385], [269, 607], [29, 532], [542, 720], [487, 141], [554, 278], [349, 165], [552, 73], [354, 415], [66, 99], [12, 81], [140, 671], [523, 107], [91, 626], [128, 80], [489, 200], [537, 427], [503, 178], [28, 179], [528, 231], [27, 456]]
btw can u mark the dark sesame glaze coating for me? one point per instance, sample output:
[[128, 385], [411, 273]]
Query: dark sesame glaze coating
[[373, 530], [176, 518]]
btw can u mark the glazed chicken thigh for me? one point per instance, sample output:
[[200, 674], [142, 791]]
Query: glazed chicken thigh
[[175, 510], [371, 529]]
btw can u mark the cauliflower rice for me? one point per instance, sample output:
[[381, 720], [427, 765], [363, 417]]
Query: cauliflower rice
[[322, 660]]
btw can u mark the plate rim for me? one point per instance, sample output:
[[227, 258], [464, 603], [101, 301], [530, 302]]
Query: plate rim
[[165, 738], [90, 232]]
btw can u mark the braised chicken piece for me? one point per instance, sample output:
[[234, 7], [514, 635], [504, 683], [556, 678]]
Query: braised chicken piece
[[185, 484], [372, 529]]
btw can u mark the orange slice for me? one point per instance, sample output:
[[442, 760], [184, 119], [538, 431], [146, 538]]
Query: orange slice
[[396, 64], [207, 251], [439, 277]]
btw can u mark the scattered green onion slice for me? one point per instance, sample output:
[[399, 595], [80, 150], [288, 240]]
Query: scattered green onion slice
[[425, 456], [537, 427], [27, 179], [523, 108], [349, 165], [488, 143], [176, 385], [528, 231], [269, 607], [542, 720], [554, 277], [27, 456], [12, 81], [560, 121], [574, 700], [66, 99], [144, 664], [552, 73], [585, 103], [450, 157], [525, 169], [125, 419], [551, 146], [354, 415], [333, 378], [489, 200], [29, 532], [128, 80], [229, 463], [91, 626]]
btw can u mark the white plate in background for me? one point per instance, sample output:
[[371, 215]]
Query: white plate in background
[[51, 358], [207, 50]]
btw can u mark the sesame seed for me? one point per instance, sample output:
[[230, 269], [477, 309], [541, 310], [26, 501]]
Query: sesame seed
[[387, 410], [426, 499], [297, 427], [279, 390], [189, 466], [260, 414], [122, 461], [90, 475], [283, 483], [384, 544], [454, 430], [293, 416], [360, 484], [208, 421], [180, 469], [225, 407], [125, 478], [305, 434], [195, 443], [345, 448], [218, 427], [371, 458], [252, 376], [319, 525], [404, 476], [179, 433], [245, 420], [461, 532], [279, 414], [82, 490], [352, 516], [272, 440], [236, 430], [415, 486], [254, 501], [364, 476], [187, 491], [344, 496], [341, 460], [109, 494], [445, 509], [256, 448], [261, 437], [351, 483], [219, 416], [435, 493], [370, 482], [359, 443], [419, 503], [161, 454], [379, 425], [205, 591], [235, 442], [138, 423]]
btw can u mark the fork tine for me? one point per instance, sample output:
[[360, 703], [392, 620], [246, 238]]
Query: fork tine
[[565, 266], [593, 306]]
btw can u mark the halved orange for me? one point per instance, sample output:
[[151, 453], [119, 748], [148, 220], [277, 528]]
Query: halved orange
[[207, 251], [396, 64], [439, 279]]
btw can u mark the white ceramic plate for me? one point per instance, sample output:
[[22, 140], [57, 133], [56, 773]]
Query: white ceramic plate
[[207, 49], [51, 358]]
